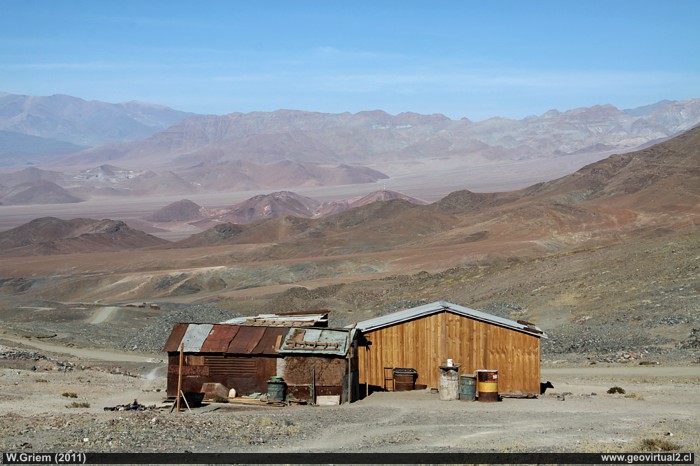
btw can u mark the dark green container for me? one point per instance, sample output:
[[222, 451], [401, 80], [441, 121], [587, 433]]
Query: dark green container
[[467, 387], [276, 389]]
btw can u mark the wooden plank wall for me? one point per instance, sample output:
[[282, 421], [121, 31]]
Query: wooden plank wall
[[426, 343]]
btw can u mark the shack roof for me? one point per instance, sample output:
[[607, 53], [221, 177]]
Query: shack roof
[[300, 319], [317, 341], [258, 340], [224, 338], [444, 306]]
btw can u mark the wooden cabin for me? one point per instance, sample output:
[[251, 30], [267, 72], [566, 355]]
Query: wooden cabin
[[313, 361], [425, 337]]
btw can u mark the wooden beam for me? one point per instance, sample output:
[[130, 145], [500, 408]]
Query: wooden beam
[[366, 371], [179, 376], [443, 356]]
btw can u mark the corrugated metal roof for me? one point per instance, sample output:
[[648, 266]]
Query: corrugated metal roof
[[173, 343], [282, 320], [268, 342], [440, 306], [194, 337], [219, 338], [317, 341], [236, 339], [246, 340]]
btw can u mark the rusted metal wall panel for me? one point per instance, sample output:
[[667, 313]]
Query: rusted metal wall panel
[[176, 334], [246, 374], [219, 338], [191, 376]]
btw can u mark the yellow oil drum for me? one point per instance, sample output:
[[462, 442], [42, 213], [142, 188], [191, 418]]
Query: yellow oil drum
[[487, 385]]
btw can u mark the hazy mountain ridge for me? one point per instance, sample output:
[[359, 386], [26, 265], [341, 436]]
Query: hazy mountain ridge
[[18, 149], [604, 197], [362, 137], [80, 122], [36, 192], [109, 180], [287, 149]]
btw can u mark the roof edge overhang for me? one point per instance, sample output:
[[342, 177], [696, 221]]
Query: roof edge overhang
[[388, 320]]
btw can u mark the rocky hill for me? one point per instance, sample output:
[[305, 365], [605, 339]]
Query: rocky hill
[[286, 203], [36, 192], [180, 211], [49, 235]]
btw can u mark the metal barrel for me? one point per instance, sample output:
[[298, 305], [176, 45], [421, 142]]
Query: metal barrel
[[449, 384], [404, 379], [276, 390], [467, 387], [487, 385]]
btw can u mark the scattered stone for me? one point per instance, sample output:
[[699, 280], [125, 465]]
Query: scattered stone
[[616, 389]]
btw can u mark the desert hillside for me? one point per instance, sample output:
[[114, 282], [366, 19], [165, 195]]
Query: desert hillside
[[604, 259]]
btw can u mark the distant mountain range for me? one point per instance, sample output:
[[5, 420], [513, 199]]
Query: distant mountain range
[[369, 137], [34, 129], [634, 190], [141, 149]]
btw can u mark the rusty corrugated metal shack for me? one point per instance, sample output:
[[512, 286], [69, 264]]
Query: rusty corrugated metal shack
[[424, 337], [313, 361]]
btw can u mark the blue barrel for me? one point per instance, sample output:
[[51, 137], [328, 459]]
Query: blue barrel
[[276, 389], [467, 387]]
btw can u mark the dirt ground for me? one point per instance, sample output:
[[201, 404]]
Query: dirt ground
[[660, 406]]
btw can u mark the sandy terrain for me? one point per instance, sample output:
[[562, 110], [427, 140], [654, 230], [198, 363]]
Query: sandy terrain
[[578, 415]]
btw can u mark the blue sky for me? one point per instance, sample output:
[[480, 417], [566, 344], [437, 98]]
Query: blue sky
[[467, 58]]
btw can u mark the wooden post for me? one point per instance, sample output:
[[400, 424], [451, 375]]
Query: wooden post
[[443, 356], [313, 384], [347, 398], [179, 376], [366, 371]]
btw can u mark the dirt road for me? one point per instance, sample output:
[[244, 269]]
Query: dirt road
[[104, 314], [86, 354]]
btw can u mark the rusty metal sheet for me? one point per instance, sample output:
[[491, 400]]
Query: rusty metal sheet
[[194, 337], [219, 338], [246, 340], [176, 334], [268, 342], [317, 341]]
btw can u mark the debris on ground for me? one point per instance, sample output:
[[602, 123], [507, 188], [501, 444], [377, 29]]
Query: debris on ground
[[133, 406]]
